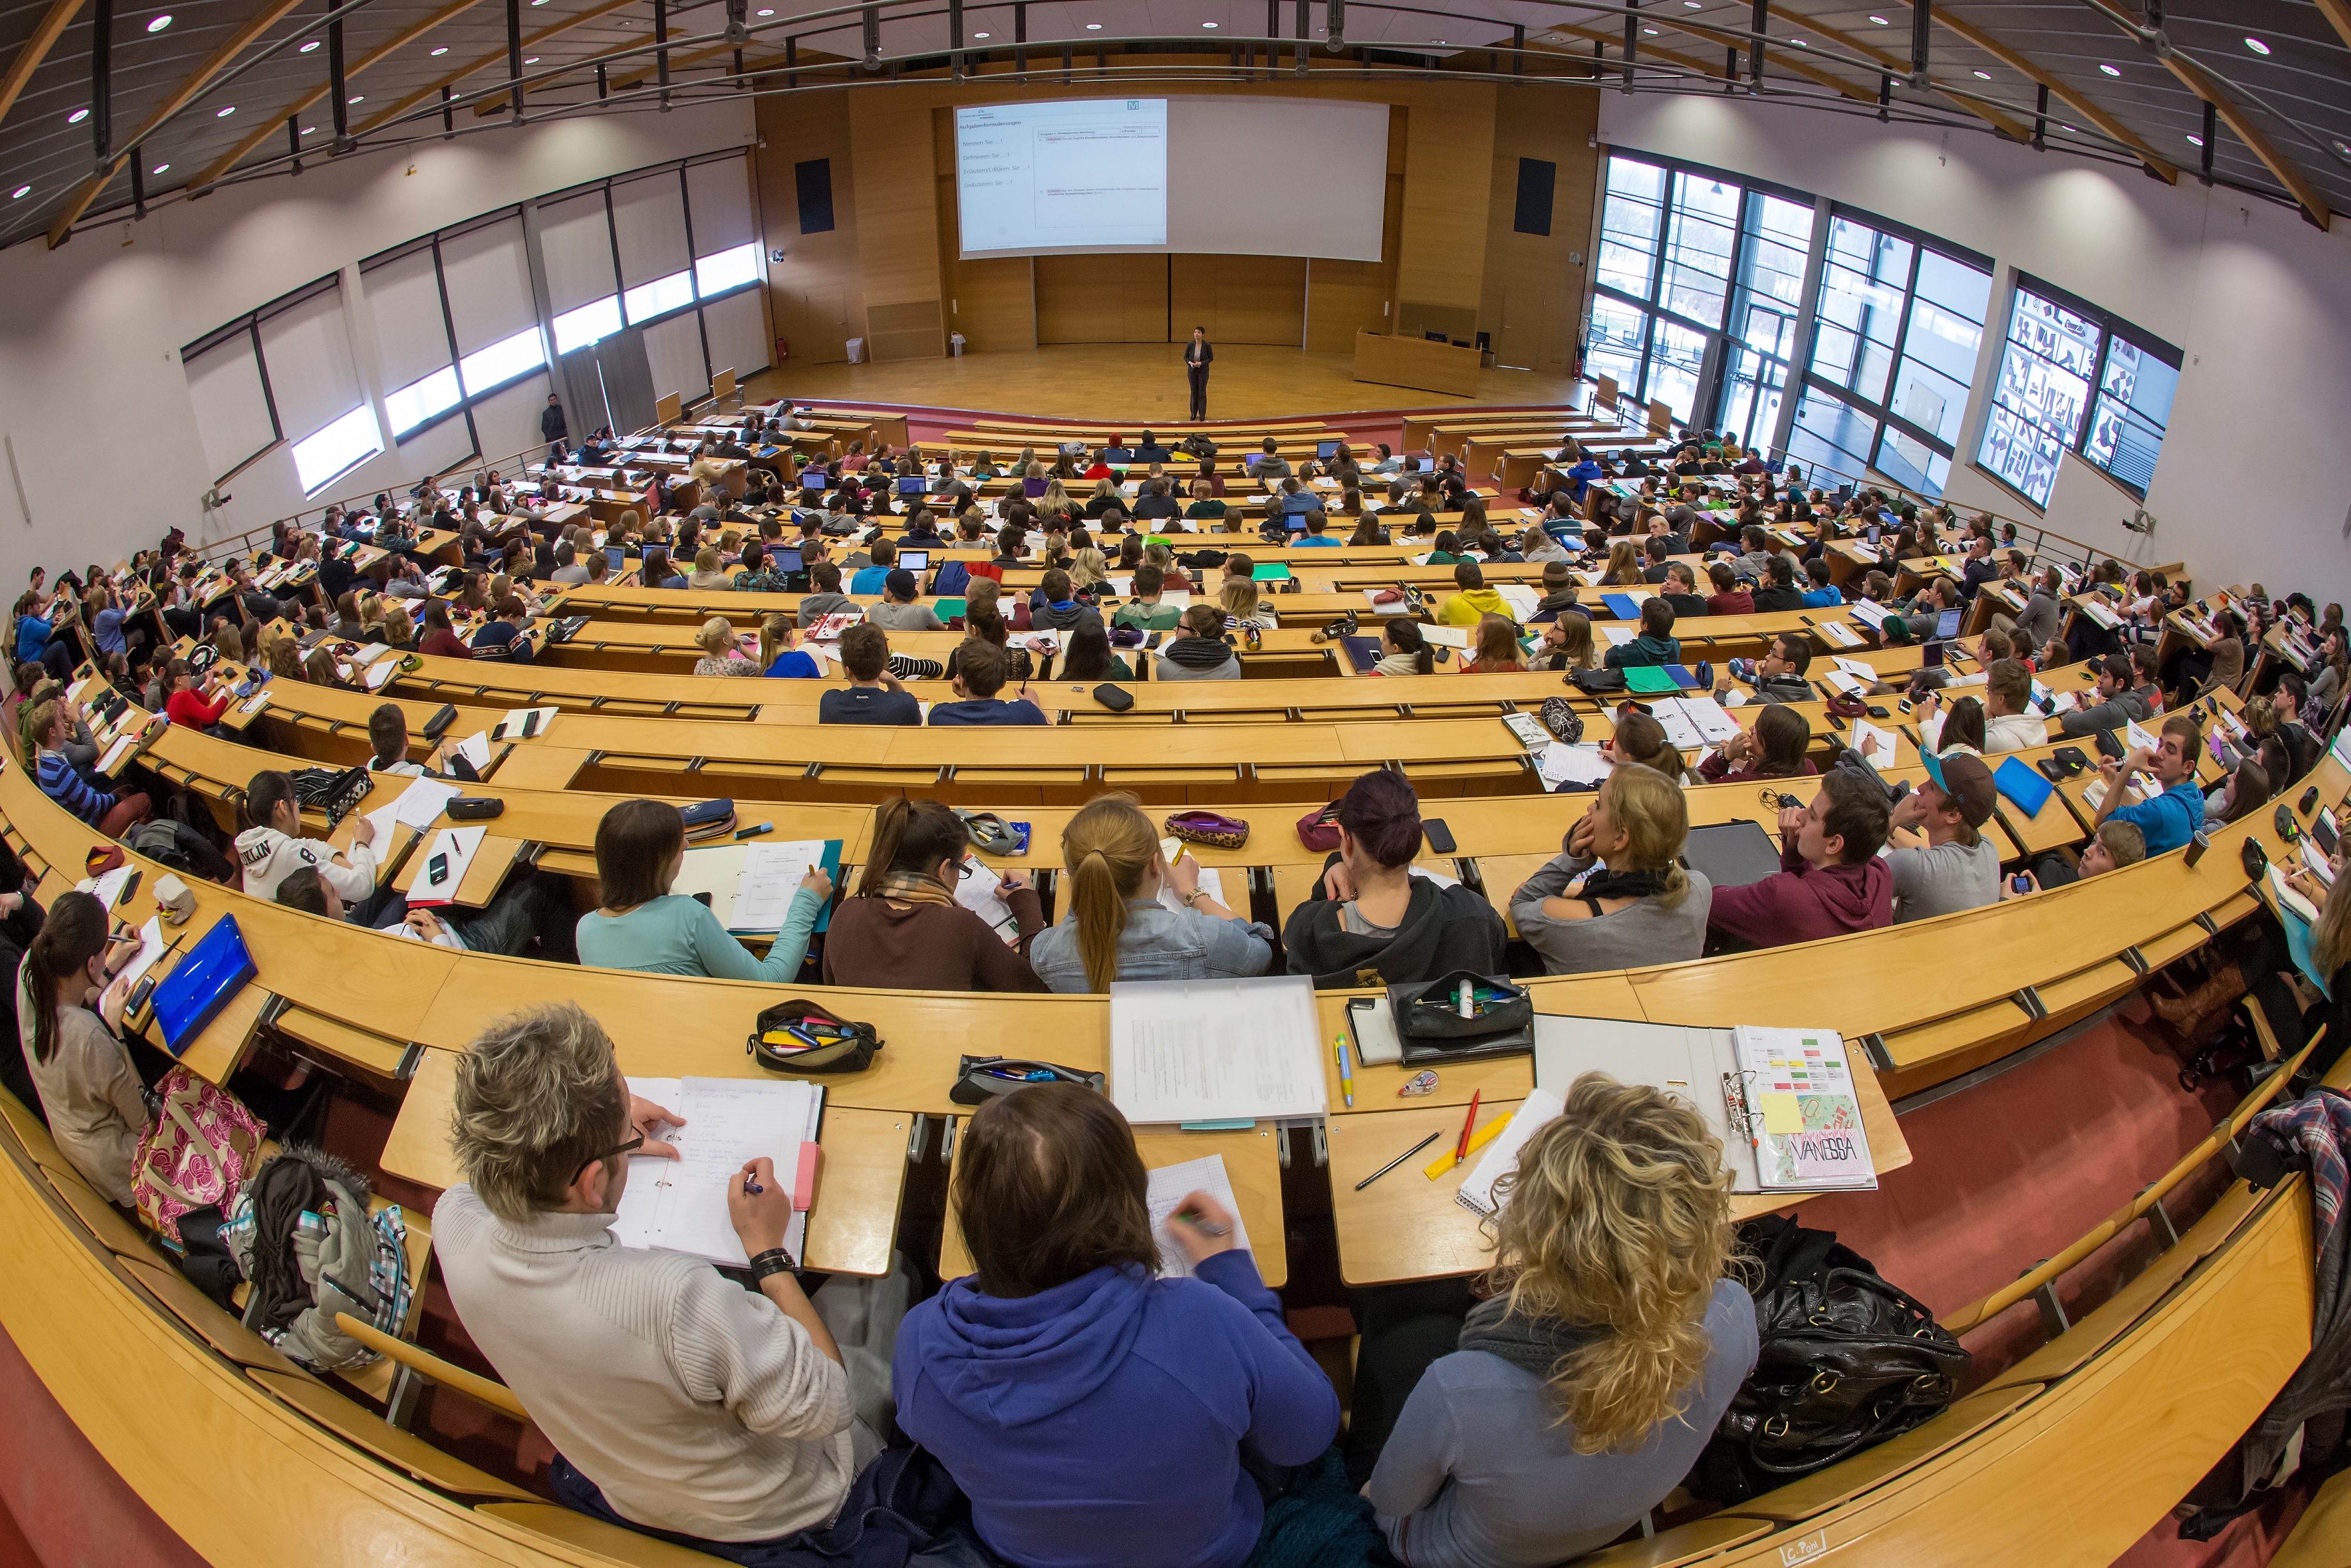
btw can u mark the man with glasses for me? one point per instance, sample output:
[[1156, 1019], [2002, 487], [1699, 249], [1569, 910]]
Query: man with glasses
[[680, 1403]]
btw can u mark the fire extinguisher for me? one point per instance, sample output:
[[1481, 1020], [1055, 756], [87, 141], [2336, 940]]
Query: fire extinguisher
[[783, 350]]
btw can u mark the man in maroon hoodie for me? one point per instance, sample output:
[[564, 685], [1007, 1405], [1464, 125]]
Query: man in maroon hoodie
[[1830, 879]]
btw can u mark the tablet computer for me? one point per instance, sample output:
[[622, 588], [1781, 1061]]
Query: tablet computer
[[914, 560], [1731, 854], [812, 481]]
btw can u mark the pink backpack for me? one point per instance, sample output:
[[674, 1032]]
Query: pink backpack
[[197, 1154]]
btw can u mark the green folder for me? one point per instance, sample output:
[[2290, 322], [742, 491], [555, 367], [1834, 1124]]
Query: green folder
[[1650, 680], [947, 609], [1271, 571]]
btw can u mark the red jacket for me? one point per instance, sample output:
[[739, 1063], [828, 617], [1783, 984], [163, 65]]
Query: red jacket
[[189, 709], [1800, 905]]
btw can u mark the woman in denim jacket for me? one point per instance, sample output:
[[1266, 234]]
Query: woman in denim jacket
[[1119, 927]]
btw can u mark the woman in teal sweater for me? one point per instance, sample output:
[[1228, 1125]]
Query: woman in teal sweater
[[641, 924]]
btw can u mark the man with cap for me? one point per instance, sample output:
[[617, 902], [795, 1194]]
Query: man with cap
[[902, 609], [1941, 861]]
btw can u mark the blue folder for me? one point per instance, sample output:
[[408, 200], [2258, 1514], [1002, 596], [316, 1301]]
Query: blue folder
[[2022, 783], [194, 993], [1624, 606]]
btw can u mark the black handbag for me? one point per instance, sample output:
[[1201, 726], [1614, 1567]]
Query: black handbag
[[1845, 1360], [329, 791], [798, 1036], [1596, 683], [979, 1079], [1430, 1028]]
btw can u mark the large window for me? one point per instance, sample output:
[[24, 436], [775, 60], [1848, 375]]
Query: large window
[[1764, 309], [2073, 378], [1899, 322]]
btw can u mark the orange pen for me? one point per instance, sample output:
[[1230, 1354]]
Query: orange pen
[[1461, 1150]]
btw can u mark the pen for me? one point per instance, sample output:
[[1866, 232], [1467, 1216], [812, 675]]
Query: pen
[[754, 830], [1397, 1161], [1346, 1074], [751, 1188], [1193, 1217], [1462, 1151]]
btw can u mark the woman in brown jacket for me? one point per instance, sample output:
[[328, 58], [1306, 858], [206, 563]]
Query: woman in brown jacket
[[904, 929]]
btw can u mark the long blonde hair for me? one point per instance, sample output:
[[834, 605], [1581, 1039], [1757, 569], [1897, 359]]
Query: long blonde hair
[[1239, 597], [2330, 938], [1655, 815], [1617, 1221], [1088, 566], [1108, 847], [775, 639]]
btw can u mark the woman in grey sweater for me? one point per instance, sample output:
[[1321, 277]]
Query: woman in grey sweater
[[1617, 897]]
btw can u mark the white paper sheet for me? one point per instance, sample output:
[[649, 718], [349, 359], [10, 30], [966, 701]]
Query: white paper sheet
[[1838, 633], [681, 1204], [1445, 636], [460, 845], [1212, 882], [1500, 1158], [1708, 717], [976, 891], [151, 947], [379, 674], [116, 753], [420, 804], [769, 877], [476, 748], [1169, 1185], [1882, 747], [1215, 1051], [1565, 764]]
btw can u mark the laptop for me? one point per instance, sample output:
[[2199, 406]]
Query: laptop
[[615, 556], [1731, 854], [784, 561], [911, 484], [812, 481], [1326, 450], [1931, 656], [914, 560], [1947, 624]]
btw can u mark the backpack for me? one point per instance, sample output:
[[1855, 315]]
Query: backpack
[[954, 578], [1844, 1361], [180, 847], [197, 1153], [300, 1231]]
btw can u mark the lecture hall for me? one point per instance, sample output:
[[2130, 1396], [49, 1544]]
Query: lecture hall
[[983, 784]]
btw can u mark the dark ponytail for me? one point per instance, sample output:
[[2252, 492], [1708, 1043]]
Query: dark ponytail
[[1404, 632], [263, 795], [909, 837], [74, 934]]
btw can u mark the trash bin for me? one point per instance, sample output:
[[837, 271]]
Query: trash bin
[[954, 344], [857, 350]]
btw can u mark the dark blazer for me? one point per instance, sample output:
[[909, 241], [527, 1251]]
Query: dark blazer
[[1207, 353]]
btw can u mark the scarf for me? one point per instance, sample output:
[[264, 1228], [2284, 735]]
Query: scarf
[[1531, 1344], [912, 887], [1601, 883], [1197, 653]]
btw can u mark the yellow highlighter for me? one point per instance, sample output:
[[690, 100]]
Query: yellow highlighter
[[1478, 1140]]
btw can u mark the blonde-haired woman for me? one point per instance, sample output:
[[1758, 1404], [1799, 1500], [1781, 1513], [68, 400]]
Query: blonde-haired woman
[[1245, 607], [1578, 1394], [722, 650], [1055, 502], [1617, 897], [1088, 566], [1119, 925]]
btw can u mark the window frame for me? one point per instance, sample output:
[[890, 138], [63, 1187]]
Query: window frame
[[2110, 326]]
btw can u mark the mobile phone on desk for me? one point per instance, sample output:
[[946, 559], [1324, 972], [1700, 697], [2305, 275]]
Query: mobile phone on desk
[[1440, 836], [436, 868], [142, 992]]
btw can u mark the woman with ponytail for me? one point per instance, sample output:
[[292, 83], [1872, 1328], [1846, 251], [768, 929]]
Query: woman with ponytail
[[87, 1086], [1640, 739], [1580, 1391], [1120, 924], [1403, 650], [904, 929]]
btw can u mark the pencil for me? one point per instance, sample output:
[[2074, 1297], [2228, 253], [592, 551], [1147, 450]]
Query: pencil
[[1462, 1151], [1397, 1161]]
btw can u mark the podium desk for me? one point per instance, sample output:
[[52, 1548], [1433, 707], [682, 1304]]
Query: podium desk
[[1416, 362]]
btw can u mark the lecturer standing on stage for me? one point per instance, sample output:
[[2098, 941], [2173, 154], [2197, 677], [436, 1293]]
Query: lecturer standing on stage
[[1196, 355]]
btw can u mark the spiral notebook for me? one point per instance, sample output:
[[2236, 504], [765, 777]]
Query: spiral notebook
[[680, 1205]]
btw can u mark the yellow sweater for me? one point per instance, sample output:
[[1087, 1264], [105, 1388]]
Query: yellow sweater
[[1467, 607]]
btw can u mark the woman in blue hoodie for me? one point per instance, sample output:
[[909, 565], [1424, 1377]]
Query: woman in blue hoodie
[[1094, 1412]]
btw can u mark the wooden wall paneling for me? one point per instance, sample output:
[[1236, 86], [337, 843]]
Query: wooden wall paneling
[[1239, 299], [1108, 298], [1532, 297], [990, 301], [1448, 187], [897, 224], [1345, 296], [814, 294]]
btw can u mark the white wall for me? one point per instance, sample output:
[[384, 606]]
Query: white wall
[[92, 397], [2249, 485]]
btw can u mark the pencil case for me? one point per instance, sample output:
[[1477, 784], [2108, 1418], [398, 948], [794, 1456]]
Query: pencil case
[[979, 1079], [798, 1036], [1429, 1025]]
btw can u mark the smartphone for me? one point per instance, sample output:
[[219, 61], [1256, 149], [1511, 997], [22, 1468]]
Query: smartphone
[[1440, 836], [1834, 722], [530, 724], [130, 886], [2020, 883], [142, 992], [1905, 702], [436, 868]]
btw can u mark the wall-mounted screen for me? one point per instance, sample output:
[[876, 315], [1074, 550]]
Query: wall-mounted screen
[[1198, 174]]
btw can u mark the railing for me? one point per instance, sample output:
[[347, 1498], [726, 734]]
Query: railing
[[237, 544]]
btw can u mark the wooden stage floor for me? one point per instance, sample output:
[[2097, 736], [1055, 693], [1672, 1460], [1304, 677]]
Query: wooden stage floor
[[1140, 382]]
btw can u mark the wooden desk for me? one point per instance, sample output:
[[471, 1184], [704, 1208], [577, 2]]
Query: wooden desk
[[1395, 360]]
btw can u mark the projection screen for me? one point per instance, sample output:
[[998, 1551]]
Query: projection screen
[[1202, 175]]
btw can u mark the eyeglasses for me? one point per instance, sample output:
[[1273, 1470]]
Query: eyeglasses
[[628, 1148]]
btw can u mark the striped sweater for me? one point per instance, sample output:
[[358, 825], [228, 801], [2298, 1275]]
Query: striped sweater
[[61, 783]]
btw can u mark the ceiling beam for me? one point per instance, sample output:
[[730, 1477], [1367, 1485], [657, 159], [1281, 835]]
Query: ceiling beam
[[246, 35], [496, 56], [1786, 59], [1708, 68], [1900, 70], [1966, 33], [36, 49], [2338, 11], [374, 57], [2205, 86]]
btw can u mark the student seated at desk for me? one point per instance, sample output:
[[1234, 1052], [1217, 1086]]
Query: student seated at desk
[[1246, 608], [1471, 599], [1656, 644], [503, 635], [1094, 1412], [1403, 650], [1775, 748], [1730, 597], [1087, 657], [1830, 879], [1201, 653], [1780, 672], [1369, 912], [2169, 819], [722, 650], [1779, 592], [1818, 592], [2123, 697], [113, 814], [441, 638], [678, 1401], [1117, 928], [2010, 723], [532, 909], [873, 695], [903, 928], [1617, 897], [68, 1015], [1058, 607], [1497, 650], [882, 558], [1146, 611], [1529, 1428], [1941, 861], [1640, 740], [979, 675], [902, 609], [642, 925], [779, 658], [194, 702], [825, 597]]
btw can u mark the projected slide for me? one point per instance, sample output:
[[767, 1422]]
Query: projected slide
[[1063, 176]]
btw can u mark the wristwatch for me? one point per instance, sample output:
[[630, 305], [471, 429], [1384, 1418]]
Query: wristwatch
[[773, 1260], [1196, 892]]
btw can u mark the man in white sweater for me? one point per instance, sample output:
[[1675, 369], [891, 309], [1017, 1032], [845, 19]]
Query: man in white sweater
[[678, 1401]]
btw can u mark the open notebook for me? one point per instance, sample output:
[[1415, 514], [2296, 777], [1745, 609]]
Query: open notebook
[[681, 1204]]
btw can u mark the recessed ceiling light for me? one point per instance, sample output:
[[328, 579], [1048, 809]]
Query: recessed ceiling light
[[20, 193], [527, 59], [1800, 43], [160, 23], [1983, 75], [2257, 46], [356, 98], [439, 52], [1881, 21], [1695, 4], [975, 35], [770, 12], [308, 47], [2111, 70], [309, 129], [163, 168], [77, 116], [2342, 148], [1093, 26], [1208, 25], [2069, 130], [1650, 31], [224, 111], [2196, 141]]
